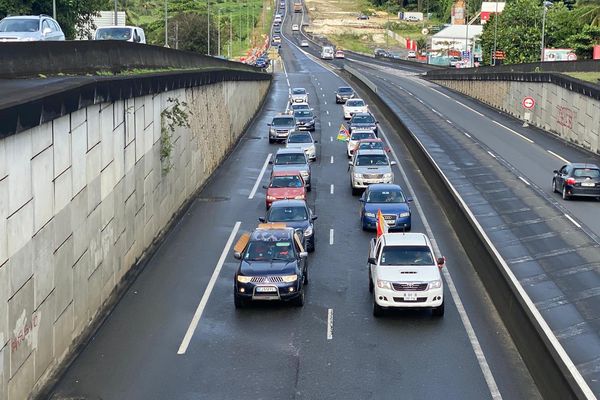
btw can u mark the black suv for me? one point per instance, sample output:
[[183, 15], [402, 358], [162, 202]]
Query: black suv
[[273, 266], [295, 214], [363, 121]]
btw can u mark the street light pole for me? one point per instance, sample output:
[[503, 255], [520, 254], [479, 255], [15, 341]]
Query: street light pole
[[54, 8], [219, 32], [493, 59], [166, 23], [208, 26], [545, 5]]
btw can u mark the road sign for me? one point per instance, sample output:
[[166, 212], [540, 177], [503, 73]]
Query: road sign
[[424, 31], [528, 103]]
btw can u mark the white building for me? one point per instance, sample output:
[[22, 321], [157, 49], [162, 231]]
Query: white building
[[488, 8], [455, 37]]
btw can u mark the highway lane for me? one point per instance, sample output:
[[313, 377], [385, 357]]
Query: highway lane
[[275, 351]]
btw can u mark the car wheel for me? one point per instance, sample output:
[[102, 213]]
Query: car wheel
[[565, 196], [407, 229], [355, 191], [554, 189], [271, 141], [377, 309], [309, 187], [310, 247], [305, 280], [299, 301], [238, 301], [371, 286], [438, 311]]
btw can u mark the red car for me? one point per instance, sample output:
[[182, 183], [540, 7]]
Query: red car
[[285, 185]]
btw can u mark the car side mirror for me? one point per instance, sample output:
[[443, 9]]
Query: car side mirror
[[265, 187], [556, 172], [372, 260], [393, 163], [270, 161], [237, 255], [262, 219], [303, 254], [441, 262], [316, 141], [268, 124], [409, 199], [313, 217], [350, 163]]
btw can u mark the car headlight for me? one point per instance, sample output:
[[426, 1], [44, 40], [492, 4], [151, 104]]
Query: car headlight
[[308, 231], [289, 278], [384, 284], [435, 284], [387, 176], [301, 197], [370, 214], [357, 176], [272, 130], [404, 215], [271, 198], [304, 174], [244, 279]]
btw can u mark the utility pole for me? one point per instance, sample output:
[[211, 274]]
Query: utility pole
[[219, 32], [208, 27], [177, 35], [248, 22], [230, 36], [54, 8], [495, 35], [546, 5], [116, 11], [166, 24], [240, 21]]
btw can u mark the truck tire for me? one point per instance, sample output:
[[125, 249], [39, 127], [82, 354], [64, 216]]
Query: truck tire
[[371, 286], [238, 301], [299, 301], [438, 311], [355, 192], [377, 309]]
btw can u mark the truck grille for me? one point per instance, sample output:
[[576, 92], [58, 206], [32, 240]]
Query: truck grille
[[266, 279], [372, 176], [419, 300], [409, 287]]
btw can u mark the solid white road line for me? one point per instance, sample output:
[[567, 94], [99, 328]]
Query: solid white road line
[[436, 111], [469, 108], [559, 157], [467, 135], [513, 131], [524, 181], [483, 364], [450, 122], [443, 94], [331, 159], [198, 314], [331, 189], [420, 101], [491, 154], [260, 176], [573, 221], [331, 236], [330, 324]]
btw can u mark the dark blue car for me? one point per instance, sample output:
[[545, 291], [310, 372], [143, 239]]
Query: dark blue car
[[393, 204]]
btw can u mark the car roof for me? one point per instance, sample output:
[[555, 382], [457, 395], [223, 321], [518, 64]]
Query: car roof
[[288, 203], [384, 186], [405, 239], [289, 151], [371, 140], [354, 99], [283, 115], [371, 152], [286, 173], [27, 17], [118, 26], [584, 165], [263, 233], [345, 87]]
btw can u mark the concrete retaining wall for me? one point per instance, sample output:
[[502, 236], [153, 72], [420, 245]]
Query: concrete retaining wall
[[572, 116], [81, 199]]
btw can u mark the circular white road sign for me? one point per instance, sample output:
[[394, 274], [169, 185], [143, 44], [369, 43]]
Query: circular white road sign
[[528, 103]]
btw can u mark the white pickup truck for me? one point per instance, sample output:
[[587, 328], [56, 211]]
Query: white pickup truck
[[403, 273]]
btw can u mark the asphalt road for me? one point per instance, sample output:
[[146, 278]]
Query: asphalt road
[[276, 351]]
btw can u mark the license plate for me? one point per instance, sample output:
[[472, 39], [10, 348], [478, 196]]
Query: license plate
[[588, 184], [410, 296], [266, 289]]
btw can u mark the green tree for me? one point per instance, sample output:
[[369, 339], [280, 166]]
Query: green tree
[[561, 24], [74, 16], [582, 42], [589, 10]]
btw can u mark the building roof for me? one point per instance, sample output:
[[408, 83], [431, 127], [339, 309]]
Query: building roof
[[459, 32], [490, 6]]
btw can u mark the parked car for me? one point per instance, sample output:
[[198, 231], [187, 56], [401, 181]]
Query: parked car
[[304, 141], [404, 273], [356, 136], [293, 160], [354, 106], [273, 266], [363, 121], [30, 28], [368, 167], [285, 185], [280, 127], [295, 214], [343, 93], [362, 17], [295, 27], [304, 43], [392, 202], [339, 54], [577, 179], [133, 34], [305, 120], [381, 53], [299, 95]]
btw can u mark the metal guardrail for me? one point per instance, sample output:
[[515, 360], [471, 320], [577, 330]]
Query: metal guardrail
[[547, 66], [543, 356]]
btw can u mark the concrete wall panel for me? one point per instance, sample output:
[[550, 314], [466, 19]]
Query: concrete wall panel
[[42, 178]]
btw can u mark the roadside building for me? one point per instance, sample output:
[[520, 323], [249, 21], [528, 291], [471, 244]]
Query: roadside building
[[455, 38], [489, 8]]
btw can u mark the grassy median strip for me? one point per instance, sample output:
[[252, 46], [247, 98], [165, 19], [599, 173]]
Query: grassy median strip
[[593, 77]]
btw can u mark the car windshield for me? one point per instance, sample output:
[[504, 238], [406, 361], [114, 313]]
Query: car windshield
[[406, 255], [19, 25], [355, 103], [363, 119], [287, 214], [113, 34], [586, 173], [300, 138], [298, 91], [362, 135], [282, 122], [302, 113], [366, 160], [292, 181], [370, 145], [293, 158], [385, 196], [301, 106], [345, 90], [263, 251]]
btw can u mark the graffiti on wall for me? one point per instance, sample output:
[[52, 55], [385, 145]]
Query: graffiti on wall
[[565, 116]]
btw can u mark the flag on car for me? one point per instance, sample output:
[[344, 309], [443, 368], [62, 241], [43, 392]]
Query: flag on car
[[343, 133], [382, 226]]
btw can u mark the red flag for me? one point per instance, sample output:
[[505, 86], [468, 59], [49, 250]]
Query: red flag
[[382, 226]]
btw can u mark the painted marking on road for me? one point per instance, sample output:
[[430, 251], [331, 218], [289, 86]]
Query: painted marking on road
[[288, 82], [481, 359], [323, 94], [491, 154], [325, 102], [409, 93], [331, 189], [321, 88], [330, 137], [573, 221], [198, 314], [437, 112], [329, 124], [467, 135], [524, 181], [469, 108], [420, 101], [327, 111], [331, 236], [443, 94], [331, 159], [557, 156], [260, 176], [329, 323], [450, 122], [513, 131]]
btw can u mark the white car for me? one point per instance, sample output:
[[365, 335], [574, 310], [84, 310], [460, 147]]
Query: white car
[[302, 140], [404, 273], [355, 137], [304, 43], [353, 106], [298, 95], [295, 27], [411, 54], [298, 106], [327, 53]]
